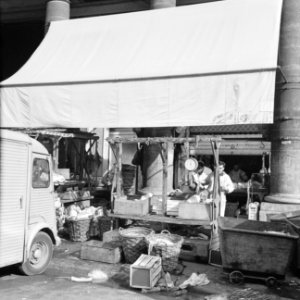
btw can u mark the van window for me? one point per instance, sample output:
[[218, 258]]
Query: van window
[[40, 173]]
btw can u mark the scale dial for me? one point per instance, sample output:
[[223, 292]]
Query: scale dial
[[191, 164]]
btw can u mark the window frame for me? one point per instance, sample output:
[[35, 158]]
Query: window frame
[[33, 183]]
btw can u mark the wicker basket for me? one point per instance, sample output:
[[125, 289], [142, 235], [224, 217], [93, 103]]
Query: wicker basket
[[133, 242], [78, 229], [104, 224], [167, 246]]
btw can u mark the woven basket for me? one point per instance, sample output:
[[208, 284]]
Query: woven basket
[[167, 246], [104, 224], [78, 229], [133, 242]]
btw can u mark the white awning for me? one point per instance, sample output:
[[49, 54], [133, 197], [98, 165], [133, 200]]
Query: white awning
[[204, 64]]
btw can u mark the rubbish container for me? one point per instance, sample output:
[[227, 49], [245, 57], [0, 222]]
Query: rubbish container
[[255, 249]]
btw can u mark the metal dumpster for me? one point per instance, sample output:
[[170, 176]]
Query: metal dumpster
[[255, 248], [293, 218]]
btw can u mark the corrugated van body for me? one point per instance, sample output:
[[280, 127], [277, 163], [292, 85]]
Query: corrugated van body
[[14, 156]]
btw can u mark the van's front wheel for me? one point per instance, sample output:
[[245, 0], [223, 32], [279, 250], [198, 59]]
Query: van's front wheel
[[40, 254]]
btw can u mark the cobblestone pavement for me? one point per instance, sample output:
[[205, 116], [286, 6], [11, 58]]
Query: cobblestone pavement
[[56, 282]]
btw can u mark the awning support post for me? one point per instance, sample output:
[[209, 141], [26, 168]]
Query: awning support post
[[164, 156], [216, 187], [119, 169]]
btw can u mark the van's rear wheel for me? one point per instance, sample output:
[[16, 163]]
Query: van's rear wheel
[[40, 254]]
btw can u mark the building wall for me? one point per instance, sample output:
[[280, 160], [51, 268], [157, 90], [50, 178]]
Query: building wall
[[18, 42]]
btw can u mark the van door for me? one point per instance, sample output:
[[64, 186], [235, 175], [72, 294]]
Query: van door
[[41, 200], [14, 157]]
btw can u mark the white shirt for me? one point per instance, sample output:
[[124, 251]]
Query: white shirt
[[226, 184]]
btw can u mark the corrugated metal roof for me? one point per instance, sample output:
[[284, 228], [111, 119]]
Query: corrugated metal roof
[[64, 133], [232, 129]]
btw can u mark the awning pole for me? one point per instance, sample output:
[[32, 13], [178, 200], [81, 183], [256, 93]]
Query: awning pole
[[119, 170], [164, 156]]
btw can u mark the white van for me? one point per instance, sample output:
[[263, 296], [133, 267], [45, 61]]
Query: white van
[[27, 213]]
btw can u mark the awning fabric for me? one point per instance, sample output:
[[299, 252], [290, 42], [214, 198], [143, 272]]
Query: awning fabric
[[205, 64]]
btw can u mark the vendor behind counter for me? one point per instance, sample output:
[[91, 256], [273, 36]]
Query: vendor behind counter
[[198, 178]]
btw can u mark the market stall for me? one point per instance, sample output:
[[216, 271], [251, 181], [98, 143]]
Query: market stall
[[140, 207], [210, 64]]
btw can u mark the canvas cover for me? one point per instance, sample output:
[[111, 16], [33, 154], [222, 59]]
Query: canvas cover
[[204, 64]]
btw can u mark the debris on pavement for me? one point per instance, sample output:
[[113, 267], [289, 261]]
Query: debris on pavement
[[166, 284], [168, 281], [249, 294], [216, 297], [195, 280], [98, 276], [95, 276], [81, 279], [179, 293], [154, 290]]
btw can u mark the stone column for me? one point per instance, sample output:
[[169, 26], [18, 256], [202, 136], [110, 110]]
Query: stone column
[[285, 148], [57, 10], [152, 169], [152, 166]]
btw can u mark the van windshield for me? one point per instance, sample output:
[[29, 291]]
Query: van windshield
[[40, 173]]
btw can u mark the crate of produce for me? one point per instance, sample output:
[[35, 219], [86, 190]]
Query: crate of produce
[[108, 252], [132, 205], [197, 211], [145, 272], [167, 246], [255, 248], [133, 242], [78, 230]]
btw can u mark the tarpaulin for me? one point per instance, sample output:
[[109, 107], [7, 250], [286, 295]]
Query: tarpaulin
[[194, 65]]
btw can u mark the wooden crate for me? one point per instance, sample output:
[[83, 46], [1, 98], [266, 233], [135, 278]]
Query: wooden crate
[[131, 207], [145, 272], [195, 211], [109, 252], [112, 236]]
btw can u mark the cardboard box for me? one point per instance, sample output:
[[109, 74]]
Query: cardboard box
[[194, 211], [108, 252], [137, 206], [145, 272]]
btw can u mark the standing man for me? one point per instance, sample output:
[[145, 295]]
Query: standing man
[[226, 186]]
